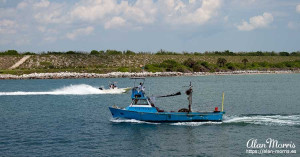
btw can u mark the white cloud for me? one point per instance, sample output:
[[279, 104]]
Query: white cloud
[[243, 3], [22, 5], [178, 12], [102, 11], [256, 22], [55, 13], [7, 27], [41, 4], [44, 29], [81, 31], [143, 11], [293, 25], [226, 18], [112, 13], [50, 39], [203, 14], [92, 10], [298, 8], [192, 1], [115, 22], [24, 40], [8, 13]]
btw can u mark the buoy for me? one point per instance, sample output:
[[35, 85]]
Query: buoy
[[216, 109]]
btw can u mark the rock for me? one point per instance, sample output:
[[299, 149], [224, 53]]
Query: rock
[[68, 75]]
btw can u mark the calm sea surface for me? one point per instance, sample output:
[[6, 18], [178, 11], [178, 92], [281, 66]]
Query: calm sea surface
[[71, 117]]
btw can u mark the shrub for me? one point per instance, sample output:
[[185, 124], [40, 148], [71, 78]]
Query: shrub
[[54, 52], [113, 52], [94, 52], [264, 64], [163, 52], [284, 54], [295, 53], [29, 53], [170, 65], [153, 68], [189, 62], [279, 65], [186, 53], [199, 68], [254, 65], [205, 64], [10, 52], [290, 64], [231, 66], [71, 52], [221, 62], [123, 69], [198, 54], [128, 52]]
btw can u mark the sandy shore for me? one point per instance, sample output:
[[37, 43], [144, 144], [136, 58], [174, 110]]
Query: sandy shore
[[72, 75]]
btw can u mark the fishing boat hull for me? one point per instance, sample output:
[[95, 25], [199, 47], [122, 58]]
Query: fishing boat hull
[[167, 116]]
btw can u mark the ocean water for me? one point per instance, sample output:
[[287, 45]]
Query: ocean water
[[70, 117]]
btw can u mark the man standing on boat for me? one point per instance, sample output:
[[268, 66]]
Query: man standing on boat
[[141, 87]]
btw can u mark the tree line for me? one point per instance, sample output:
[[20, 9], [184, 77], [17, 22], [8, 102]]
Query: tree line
[[160, 52]]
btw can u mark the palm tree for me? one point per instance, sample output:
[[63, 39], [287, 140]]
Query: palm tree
[[221, 62], [245, 61]]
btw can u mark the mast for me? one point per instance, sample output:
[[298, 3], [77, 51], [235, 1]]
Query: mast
[[189, 92]]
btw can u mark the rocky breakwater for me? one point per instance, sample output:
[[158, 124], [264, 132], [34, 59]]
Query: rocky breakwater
[[70, 75], [244, 72], [73, 75]]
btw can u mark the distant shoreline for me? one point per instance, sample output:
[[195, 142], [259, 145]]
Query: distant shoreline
[[74, 75]]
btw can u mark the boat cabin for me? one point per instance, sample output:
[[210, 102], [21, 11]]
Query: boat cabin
[[142, 105], [140, 102]]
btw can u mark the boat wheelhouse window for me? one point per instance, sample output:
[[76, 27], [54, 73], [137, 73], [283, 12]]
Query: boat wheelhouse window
[[140, 102]]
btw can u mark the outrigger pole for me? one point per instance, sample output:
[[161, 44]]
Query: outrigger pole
[[174, 94], [223, 102]]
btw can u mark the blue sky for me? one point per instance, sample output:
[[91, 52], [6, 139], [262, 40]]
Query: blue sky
[[150, 25]]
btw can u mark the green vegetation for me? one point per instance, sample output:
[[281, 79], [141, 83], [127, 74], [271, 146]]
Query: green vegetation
[[9, 52], [164, 52], [123, 69], [95, 52], [245, 61], [113, 52], [221, 62], [100, 61], [128, 52], [191, 65]]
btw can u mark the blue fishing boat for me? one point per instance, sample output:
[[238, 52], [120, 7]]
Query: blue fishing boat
[[142, 108]]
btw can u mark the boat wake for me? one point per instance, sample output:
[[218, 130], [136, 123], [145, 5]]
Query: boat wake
[[195, 123], [81, 89], [275, 120], [130, 121], [270, 120]]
